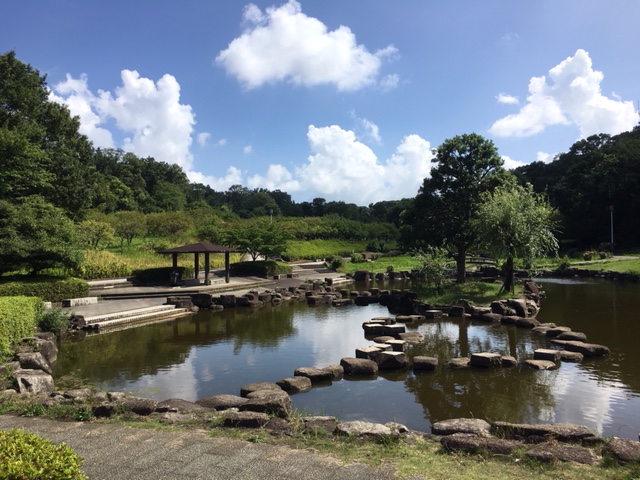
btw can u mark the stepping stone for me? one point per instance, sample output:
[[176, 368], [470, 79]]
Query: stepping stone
[[424, 364], [541, 364], [486, 359], [295, 384], [547, 354], [315, 375]]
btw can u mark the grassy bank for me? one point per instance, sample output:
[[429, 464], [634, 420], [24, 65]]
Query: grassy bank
[[319, 248]]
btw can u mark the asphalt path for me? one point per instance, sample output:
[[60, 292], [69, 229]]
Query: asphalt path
[[112, 451]]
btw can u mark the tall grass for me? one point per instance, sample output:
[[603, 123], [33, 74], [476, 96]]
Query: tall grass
[[320, 248]]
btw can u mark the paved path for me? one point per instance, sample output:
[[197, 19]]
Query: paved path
[[117, 451]]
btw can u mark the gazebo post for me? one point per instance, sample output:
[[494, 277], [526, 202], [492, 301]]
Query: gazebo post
[[206, 268], [196, 265], [175, 260], [226, 266]]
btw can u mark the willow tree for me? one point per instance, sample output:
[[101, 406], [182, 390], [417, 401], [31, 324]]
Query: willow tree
[[514, 222]]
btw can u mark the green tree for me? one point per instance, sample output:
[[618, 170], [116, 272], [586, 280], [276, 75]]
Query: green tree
[[514, 222], [128, 225], [94, 234], [35, 234], [41, 148], [259, 237], [444, 210]]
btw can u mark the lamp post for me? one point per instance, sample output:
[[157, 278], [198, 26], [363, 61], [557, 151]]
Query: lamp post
[[611, 211]]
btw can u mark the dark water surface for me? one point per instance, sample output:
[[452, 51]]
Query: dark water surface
[[217, 352]]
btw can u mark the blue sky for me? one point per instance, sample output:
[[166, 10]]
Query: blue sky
[[336, 99]]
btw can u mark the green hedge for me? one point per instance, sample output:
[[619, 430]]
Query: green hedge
[[18, 319], [160, 275], [266, 269], [49, 289], [26, 455]]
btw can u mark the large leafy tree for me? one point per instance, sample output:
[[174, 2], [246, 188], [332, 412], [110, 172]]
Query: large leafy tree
[[36, 235], [41, 149], [514, 222], [259, 237], [444, 211]]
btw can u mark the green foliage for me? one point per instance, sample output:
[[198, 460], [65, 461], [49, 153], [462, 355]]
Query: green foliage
[[168, 224], [26, 455], [101, 264], [336, 262], [49, 289], [53, 320], [94, 234], [41, 148], [596, 174], [259, 237], [434, 264], [37, 235], [128, 225], [357, 258], [263, 268], [444, 210], [160, 275], [18, 316]]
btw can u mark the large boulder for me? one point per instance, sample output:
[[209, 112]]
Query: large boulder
[[486, 359], [315, 375], [391, 360], [359, 366], [563, 432], [470, 443], [178, 405], [34, 361], [586, 349], [295, 384], [359, 428], [245, 390], [623, 450], [139, 405], [221, 402], [246, 419], [475, 426], [424, 364], [550, 453], [33, 381], [272, 402]]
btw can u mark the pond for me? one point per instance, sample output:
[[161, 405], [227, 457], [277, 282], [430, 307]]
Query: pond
[[217, 352]]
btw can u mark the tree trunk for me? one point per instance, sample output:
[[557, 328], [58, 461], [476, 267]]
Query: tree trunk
[[461, 264]]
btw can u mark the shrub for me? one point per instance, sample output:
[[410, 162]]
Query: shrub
[[53, 320], [17, 320], [160, 275], [266, 268], [25, 455], [336, 262], [588, 255], [101, 264], [357, 258], [49, 289]]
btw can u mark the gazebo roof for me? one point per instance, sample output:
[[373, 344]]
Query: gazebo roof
[[200, 247]]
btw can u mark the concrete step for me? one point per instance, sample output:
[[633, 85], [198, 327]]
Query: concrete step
[[155, 310], [116, 327], [140, 318]]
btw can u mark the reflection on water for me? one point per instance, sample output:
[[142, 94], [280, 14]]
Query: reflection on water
[[218, 352]]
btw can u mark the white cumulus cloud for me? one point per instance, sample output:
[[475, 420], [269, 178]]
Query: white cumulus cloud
[[570, 96], [202, 138], [342, 168], [149, 113], [233, 176], [508, 99], [284, 44], [276, 178]]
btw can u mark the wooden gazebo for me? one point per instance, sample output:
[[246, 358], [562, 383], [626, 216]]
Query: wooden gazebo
[[206, 248]]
